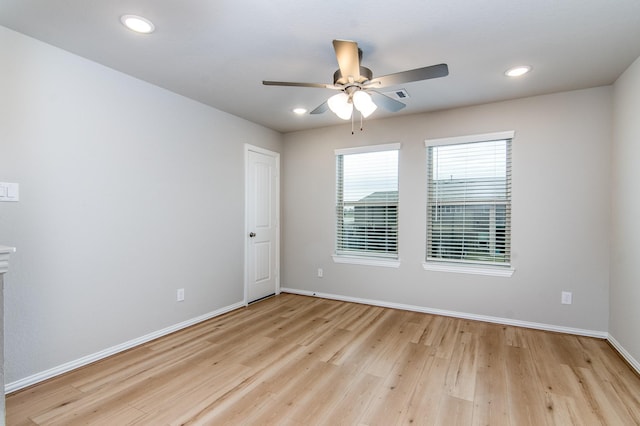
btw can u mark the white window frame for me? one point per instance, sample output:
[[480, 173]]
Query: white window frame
[[372, 260], [506, 270]]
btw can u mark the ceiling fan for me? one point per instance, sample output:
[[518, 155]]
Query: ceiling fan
[[358, 87]]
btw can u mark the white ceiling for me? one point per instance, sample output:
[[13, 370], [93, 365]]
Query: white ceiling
[[219, 51]]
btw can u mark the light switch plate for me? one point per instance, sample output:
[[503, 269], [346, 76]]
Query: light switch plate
[[9, 191]]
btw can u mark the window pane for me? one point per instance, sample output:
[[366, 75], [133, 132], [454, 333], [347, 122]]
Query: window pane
[[469, 202], [367, 204]]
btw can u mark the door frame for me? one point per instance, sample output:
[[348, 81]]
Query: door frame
[[276, 155]]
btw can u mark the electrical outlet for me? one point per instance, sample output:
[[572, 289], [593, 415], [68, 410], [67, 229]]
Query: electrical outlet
[[320, 273], [180, 295], [566, 298]]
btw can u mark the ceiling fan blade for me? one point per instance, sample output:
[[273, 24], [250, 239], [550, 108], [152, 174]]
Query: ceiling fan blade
[[321, 108], [348, 60], [425, 73], [386, 102], [289, 83]]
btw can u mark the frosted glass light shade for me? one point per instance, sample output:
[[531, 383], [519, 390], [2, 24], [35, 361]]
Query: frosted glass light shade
[[364, 103], [340, 105]]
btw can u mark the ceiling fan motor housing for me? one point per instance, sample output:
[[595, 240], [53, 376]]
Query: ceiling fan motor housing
[[365, 75]]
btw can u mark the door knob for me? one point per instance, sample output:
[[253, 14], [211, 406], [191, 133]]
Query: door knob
[[252, 234]]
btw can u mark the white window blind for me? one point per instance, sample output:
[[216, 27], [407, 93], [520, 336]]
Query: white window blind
[[469, 202], [367, 201]]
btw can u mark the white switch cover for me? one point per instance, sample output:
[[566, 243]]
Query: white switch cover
[[9, 191], [566, 298]]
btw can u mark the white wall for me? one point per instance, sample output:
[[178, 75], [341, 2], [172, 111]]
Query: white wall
[[560, 212], [127, 192], [625, 212]]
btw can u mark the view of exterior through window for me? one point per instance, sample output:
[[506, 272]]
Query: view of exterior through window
[[469, 202], [367, 203]]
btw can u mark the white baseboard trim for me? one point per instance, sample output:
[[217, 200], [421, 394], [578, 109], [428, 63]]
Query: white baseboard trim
[[624, 353], [463, 315], [81, 362]]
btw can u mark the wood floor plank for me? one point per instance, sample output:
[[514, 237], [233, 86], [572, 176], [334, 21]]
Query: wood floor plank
[[325, 395], [160, 392], [551, 372], [359, 351], [115, 393], [605, 363], [41, 399], [391, 350], [445, 337], [423, 404], [491, 397], [197, 399], [515, 336], [302, 392], [525, 391], [358, 318], [296, 360], [95, 414], [454, 412], [136, 368], [331, 345], [491, 405], [565, 410], [461, 377], [596, 395], [389, 404], [352, 402]]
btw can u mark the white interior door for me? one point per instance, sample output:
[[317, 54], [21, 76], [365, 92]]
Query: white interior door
[[262, 228]]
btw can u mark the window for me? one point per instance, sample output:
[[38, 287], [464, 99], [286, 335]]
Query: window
[[367, 202], [469, 200]]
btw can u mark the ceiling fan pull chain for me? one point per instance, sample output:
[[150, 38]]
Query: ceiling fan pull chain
[[361, 121], [352, 124]]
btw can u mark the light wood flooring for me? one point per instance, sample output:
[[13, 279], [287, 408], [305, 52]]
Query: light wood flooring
[[295, 360]]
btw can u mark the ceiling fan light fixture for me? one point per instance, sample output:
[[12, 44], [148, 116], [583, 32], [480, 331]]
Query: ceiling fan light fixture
[[364, 103], [137, 23], [340, 105]]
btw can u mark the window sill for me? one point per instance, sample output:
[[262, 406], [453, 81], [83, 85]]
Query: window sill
[[469, 269], [369, 261]]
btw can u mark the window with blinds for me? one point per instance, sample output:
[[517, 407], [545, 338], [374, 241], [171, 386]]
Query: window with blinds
[[367, 201], [469, 202]]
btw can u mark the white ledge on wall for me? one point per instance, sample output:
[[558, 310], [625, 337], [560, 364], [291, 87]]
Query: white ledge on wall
[[468, 269], [4, 258], [369, 261]]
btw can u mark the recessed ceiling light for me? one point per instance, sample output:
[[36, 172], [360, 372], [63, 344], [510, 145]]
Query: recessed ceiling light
[[517, 71], [299, 111], [137, 24]]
